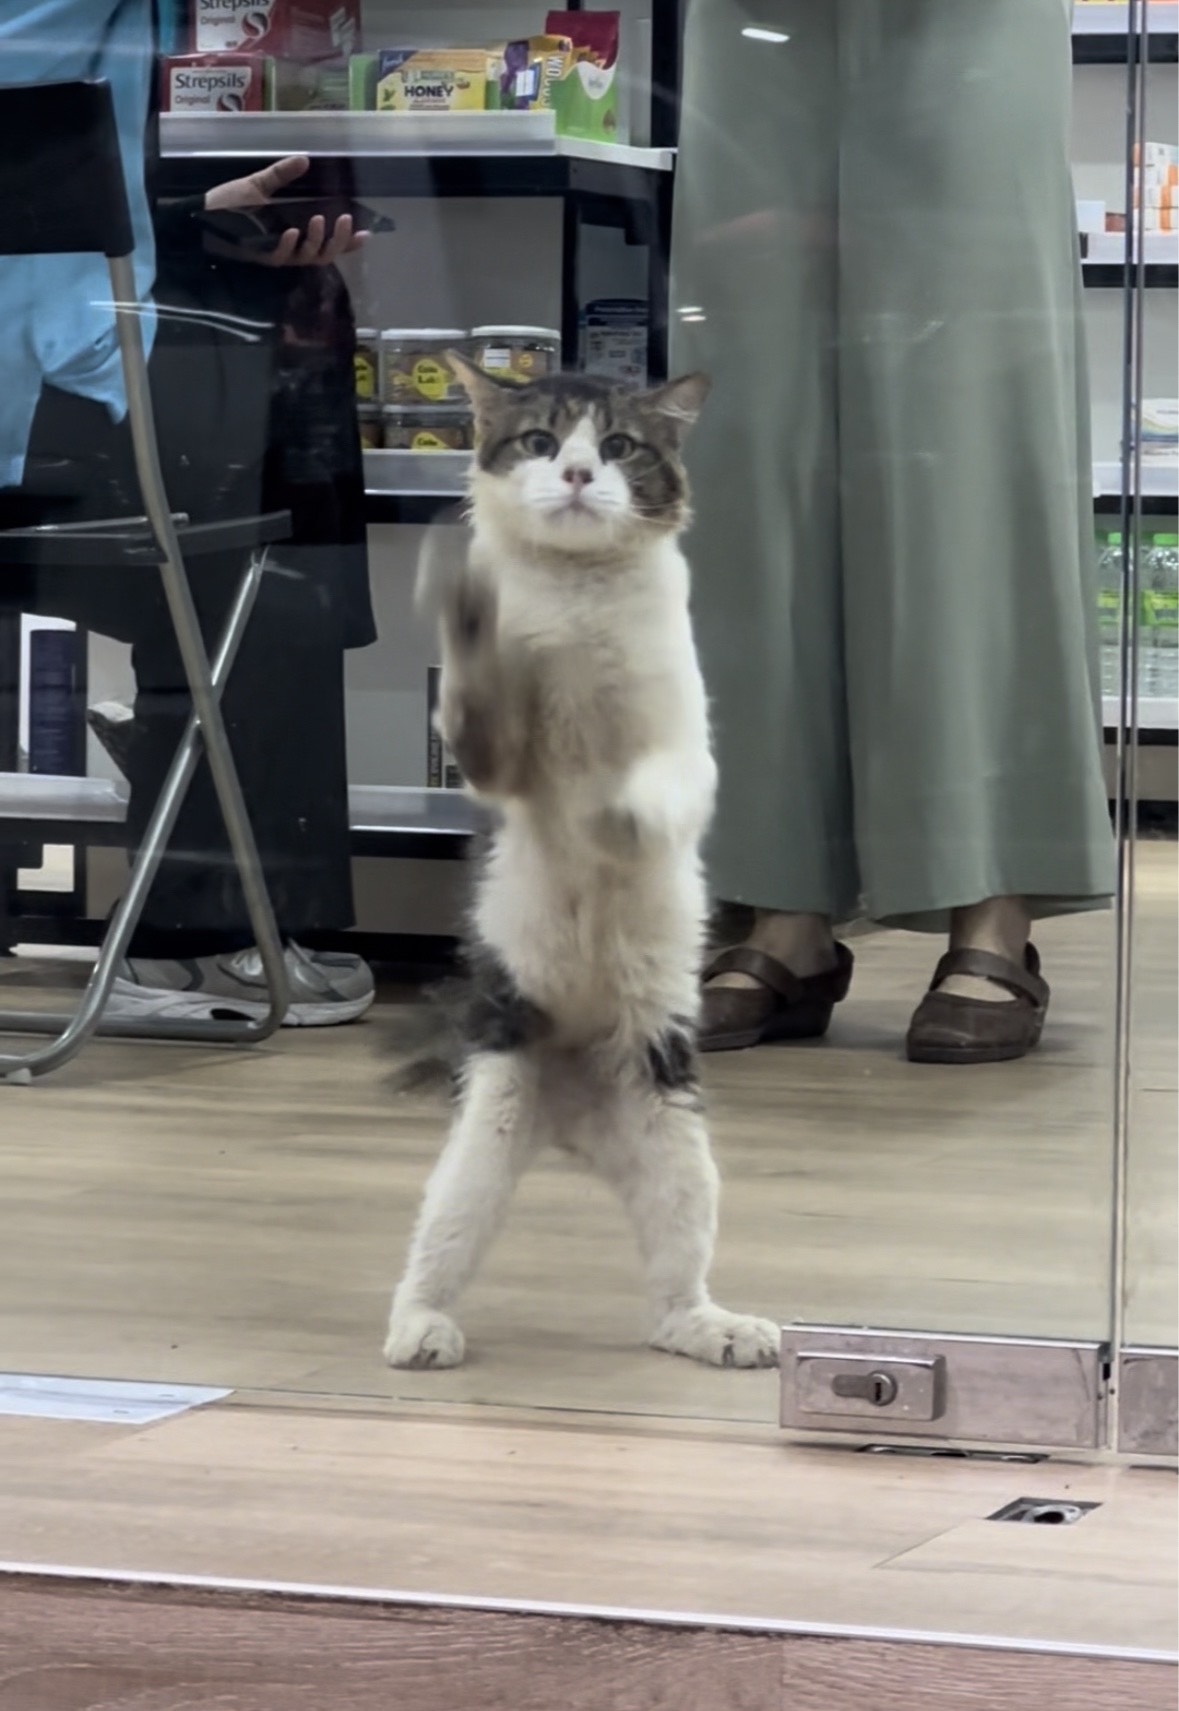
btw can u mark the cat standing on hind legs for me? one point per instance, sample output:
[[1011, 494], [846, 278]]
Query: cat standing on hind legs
[[572, 700]]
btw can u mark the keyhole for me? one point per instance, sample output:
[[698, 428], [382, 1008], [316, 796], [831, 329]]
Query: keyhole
[[882, 1389]]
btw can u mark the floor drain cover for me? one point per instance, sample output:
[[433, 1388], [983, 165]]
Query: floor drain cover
[[1044, 1511]]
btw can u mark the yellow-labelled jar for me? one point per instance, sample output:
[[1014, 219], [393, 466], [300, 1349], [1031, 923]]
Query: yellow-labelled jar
[[414, 369], [428, 428], [517, 353]]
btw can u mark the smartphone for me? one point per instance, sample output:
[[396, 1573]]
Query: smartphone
[[260, 229]]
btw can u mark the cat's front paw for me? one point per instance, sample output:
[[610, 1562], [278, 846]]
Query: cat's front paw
[[719, 1338], [420, 1337]]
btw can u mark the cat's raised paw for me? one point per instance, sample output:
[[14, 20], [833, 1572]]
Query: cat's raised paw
[[719, 1338], [420, 1338]]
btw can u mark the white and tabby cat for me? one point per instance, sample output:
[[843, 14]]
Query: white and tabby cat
[[572, 700]]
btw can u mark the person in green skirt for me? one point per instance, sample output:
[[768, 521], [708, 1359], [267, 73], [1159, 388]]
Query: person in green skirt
[[875, 258]]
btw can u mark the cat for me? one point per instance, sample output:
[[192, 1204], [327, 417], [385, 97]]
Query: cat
[[572, 701]]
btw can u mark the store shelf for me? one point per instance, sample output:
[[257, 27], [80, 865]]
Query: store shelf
[[409, 154], [1099, 33], [1155, 712], [385, 819], [1160, 480], [413, 487], [1111, 275]]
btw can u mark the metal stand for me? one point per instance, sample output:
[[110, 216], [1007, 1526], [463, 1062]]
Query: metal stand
[[205, 730]]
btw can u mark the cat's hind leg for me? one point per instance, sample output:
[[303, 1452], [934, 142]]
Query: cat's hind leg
[[656, 1154], [493, 1137]]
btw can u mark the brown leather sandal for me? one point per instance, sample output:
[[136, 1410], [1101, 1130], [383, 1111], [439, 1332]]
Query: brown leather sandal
[[948, 1027], [781, 1007]]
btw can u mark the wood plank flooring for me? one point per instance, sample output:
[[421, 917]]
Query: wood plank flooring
[[113, 1649], [717, 1524], [239, 1219]]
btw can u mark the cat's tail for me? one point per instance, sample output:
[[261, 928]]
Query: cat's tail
[[427, 1038]]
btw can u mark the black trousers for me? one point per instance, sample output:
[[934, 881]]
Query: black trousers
[[284, 701]]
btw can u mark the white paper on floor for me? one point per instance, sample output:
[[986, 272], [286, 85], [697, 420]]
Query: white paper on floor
[[115, 1401]]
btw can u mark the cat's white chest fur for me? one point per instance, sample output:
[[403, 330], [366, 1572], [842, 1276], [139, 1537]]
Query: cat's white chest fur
[[594, 894]]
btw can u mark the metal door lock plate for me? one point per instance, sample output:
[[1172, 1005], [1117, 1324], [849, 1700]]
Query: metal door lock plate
[[879, 1384], [869, 1387], [1044, 1511]]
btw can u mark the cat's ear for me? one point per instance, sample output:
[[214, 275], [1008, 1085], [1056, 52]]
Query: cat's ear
[[679, 401], [480, 388]]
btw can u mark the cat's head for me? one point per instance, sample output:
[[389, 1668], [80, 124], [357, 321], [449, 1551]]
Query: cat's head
[[579, 465]]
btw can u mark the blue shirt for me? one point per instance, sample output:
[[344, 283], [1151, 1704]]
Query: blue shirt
[[56, 321]]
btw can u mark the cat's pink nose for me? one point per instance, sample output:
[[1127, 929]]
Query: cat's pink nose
[[578, 475]]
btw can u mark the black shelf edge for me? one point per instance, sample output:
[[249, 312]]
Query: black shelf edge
[[1151, 505], [422, 508], [470, 176], [406, 842], [1114, 50], [408, 507], [1111, 275]]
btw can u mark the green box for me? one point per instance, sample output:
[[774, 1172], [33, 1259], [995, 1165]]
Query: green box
[[585, 101], [362, 82], [294, 88]]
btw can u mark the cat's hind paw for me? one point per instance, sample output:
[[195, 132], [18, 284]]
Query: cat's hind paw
[[719, 1338], [420, 1338]]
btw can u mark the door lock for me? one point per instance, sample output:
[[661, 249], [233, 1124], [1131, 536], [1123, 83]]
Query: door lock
[[878, 1388], [862, 1386]]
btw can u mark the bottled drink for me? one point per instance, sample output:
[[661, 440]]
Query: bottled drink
[[1159, 635], [1109, 610]]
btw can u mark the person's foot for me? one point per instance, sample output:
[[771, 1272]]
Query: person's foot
[[1000, 926], [956, 1027], [781, 984], [327, 988]]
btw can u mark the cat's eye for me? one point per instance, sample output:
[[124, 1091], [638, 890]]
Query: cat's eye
[[615, 447], [538, 442]]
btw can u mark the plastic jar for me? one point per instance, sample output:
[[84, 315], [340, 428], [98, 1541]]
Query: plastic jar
[[367, 363], [414, 369], [371, 423], [517, 353], [428, 428]]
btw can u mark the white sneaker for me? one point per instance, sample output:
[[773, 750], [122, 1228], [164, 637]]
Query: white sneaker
[[327, 988]]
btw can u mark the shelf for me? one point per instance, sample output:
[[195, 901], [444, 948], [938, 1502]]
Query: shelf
[[1111, 275], [1100, 37], [1160, 480], [433, 475], [388, 820], [413, 487], [1155, 712], [410, 154]]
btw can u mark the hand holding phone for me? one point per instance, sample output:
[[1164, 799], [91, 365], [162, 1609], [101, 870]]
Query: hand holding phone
[[250, 216]]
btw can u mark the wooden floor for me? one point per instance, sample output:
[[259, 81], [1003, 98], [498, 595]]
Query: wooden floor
[[118, 1648], [239, 1219], [719, 1523]]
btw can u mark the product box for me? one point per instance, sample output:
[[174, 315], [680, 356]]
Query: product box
[[585, 99], [1090, 215], [304, 30], [57, 724], [213, 83], [362, 82], [442, 771], [523, 74], [320, 88], [431, 80], [1158, 430], [614, 339]]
